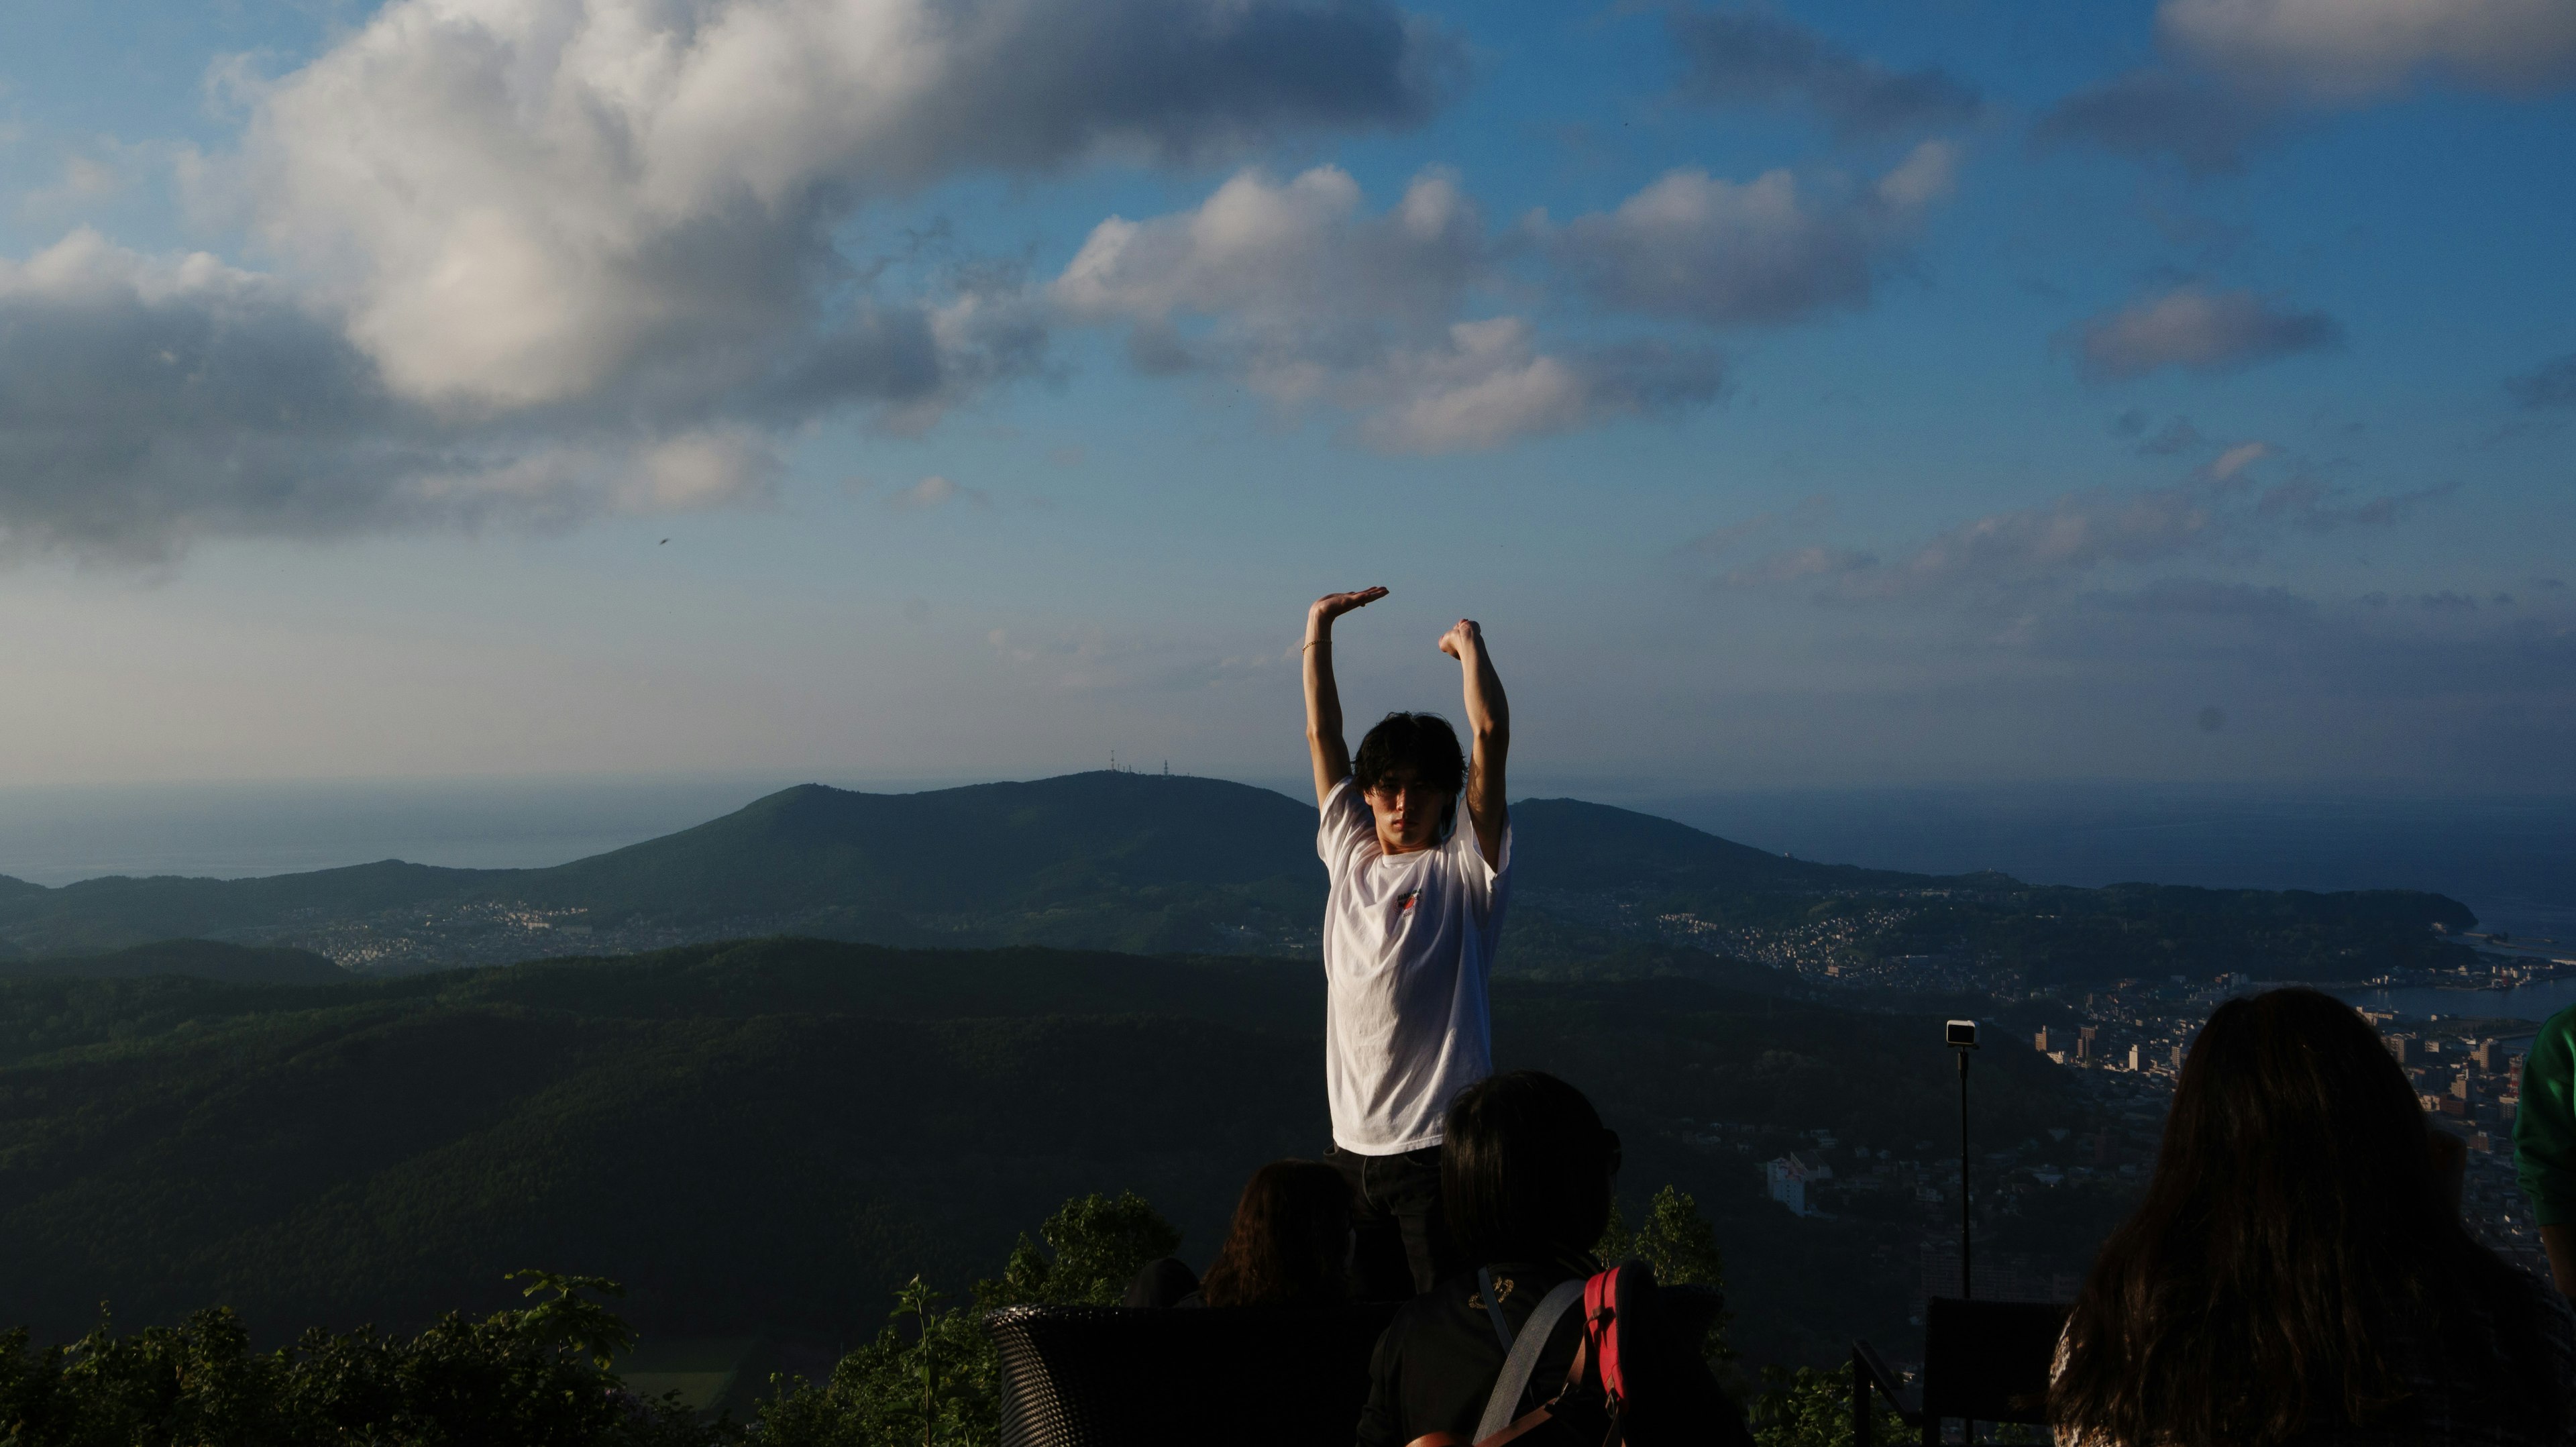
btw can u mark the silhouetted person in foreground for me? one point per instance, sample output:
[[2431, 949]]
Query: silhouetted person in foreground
[[2298, 1271], [1290, 1245], [1529, 1171], [1414, 906]]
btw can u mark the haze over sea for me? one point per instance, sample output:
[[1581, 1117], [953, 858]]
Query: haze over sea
[[2512, 860]]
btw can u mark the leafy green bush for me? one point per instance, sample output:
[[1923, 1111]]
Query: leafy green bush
[[1681, 1246], [1811, 1407], [536, 1376], [942, 1386], [544, 1374]]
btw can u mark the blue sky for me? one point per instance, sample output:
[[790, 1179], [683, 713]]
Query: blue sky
[[1836, 393]]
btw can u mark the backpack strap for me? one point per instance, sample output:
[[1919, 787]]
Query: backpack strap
[[1493, 1308], [1522, 1363]]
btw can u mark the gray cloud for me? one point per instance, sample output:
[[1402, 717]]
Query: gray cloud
[[2355, 50], [2312, 657], [2551, 384], [1737, 59], [2207, 125], [2011, 558], [137, 399], [2238, 73], [1766, 251], [2195, 327], [2177, 435], [146, 402]]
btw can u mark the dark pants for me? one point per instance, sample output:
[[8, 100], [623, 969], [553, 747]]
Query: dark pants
[[1401, 1244]]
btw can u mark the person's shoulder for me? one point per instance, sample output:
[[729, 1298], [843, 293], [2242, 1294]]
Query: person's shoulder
[[1423, 1319], [1341, 821], [1339, 798]]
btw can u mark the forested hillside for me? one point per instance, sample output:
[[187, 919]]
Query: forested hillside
[[199, 959], [770, 1136], [1157, 864]]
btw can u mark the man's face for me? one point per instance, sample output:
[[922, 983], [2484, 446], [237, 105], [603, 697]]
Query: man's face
[[1408, 812]]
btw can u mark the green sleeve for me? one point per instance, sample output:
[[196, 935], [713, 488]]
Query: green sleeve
[[2544, 1128]]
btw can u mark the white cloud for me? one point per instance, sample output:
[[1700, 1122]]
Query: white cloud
[[1489, 385], [2352, 50], [541, 258], [707, 468], [2236, 459], [936, 491], [1293, 288], [1727, 253], [1296, 268], [2195, 327], [520, 201]]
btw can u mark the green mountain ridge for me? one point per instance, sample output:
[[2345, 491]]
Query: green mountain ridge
[[1163, 864]]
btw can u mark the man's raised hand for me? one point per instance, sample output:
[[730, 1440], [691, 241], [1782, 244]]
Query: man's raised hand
[[1323, 701], [1334, 605], [1462, 635]]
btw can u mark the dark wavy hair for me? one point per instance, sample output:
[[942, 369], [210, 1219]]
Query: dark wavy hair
[[1526, 1170], [1291, 1240], [1420, 744], [2294, 1255]]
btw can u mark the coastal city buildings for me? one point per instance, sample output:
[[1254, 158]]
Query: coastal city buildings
[[2124, 1045]]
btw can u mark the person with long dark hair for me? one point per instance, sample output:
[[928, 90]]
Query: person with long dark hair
[[2298, 1271], [1290, 1245], [1291, 1240]]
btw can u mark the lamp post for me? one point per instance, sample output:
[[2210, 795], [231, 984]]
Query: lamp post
[[1962, 1038]]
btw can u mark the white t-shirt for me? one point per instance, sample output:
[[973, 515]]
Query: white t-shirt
[[1408, 941]]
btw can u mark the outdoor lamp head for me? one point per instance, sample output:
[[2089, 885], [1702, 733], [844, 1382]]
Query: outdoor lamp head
[[1962, 1034]]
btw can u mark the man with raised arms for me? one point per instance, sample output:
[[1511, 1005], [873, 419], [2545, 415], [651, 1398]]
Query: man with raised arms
[[1410, 920]]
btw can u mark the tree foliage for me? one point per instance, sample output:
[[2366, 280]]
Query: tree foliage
[[544, 1374], [1681, 1247], [1811, 1407], [941, 1385], [538, 1375]]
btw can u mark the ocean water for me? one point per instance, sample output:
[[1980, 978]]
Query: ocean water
[[2534, 1003], [54, 836], [2512, 860]]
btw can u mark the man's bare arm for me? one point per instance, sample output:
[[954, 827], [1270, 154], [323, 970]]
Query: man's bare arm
[[1324, 746], [1489, 719]]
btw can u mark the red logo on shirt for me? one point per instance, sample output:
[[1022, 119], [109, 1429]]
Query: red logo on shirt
[[1407, 903]]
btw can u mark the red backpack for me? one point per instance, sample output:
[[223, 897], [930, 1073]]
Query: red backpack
[[1599, 1368]]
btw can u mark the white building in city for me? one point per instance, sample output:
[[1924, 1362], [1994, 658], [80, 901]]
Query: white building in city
[[1789, 1177]]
